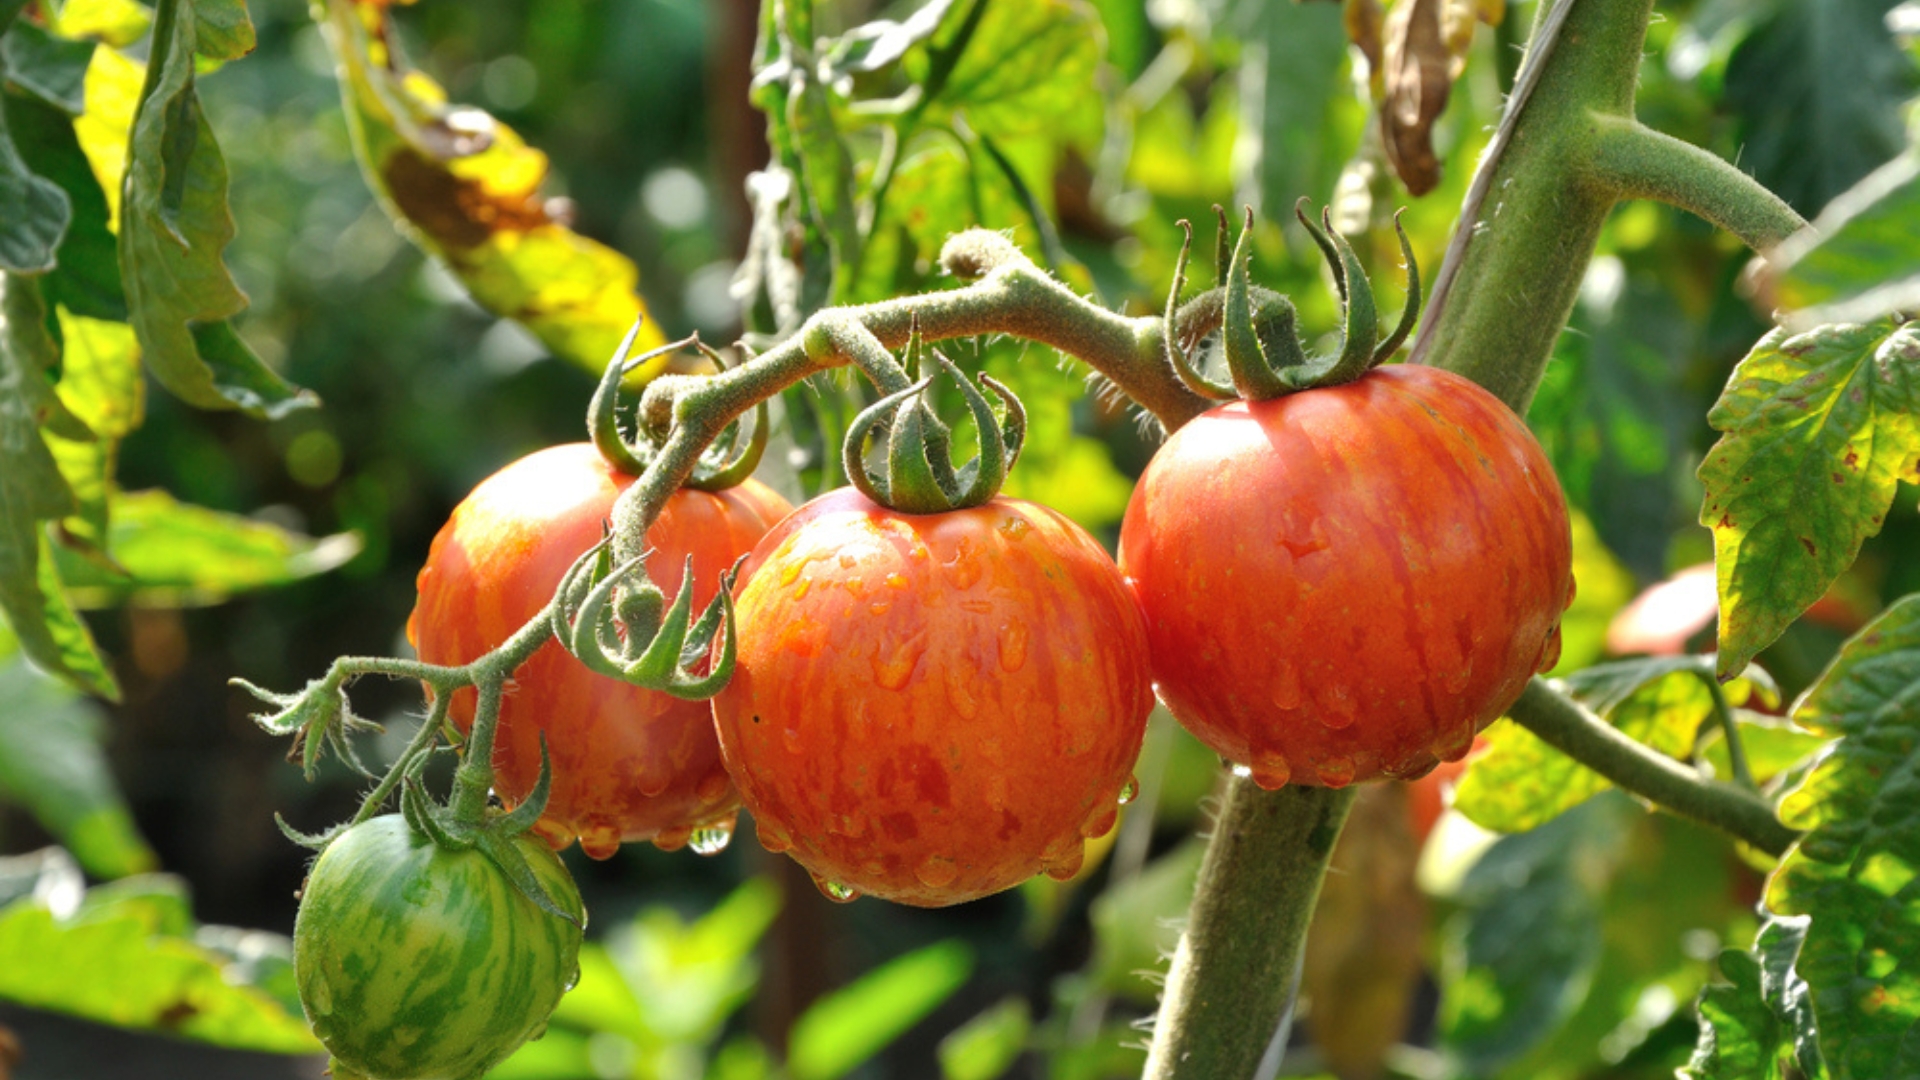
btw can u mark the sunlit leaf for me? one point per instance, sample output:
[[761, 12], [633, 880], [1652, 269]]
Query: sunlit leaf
[[1758, 1022], [136, 976], [52, 763], [175, 554], [174, 226], [32, 492], [842, 1030], [1029, 67], [1856, 872], [101, 384], [87, 278], [1292, 93], [115, 22], [466, 188], [1858, 261], [221, 29], [113, 90], [986, 1046], [1520, 782], [1819, 428]]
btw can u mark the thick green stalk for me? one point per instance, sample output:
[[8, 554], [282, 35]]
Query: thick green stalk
[[1233, 976], [1566, 153]]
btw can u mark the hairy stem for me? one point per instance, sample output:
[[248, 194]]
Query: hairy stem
[[1632, 161], [1232, 977], [1575, 731]]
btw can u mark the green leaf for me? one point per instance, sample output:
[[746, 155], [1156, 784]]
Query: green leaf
[[222, 30], [1521, 952], [101, 385], [176, 554], [466, 188], [1759, 1020], [1300, 50], [1520, 782], [50, 68], [1817, 87], [1819, 429], [87, 277], [850, 1025], [1856, 872], [1858, 261], [113, 963], [37, 211], [53, 764], [1028, 68], [986, 1046], [32, 492], [174, 225]]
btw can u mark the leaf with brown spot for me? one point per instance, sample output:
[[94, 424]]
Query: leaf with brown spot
[[1818, 429], [466, 189]]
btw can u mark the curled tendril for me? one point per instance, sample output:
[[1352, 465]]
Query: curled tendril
[[725, 463], [920, 476], [649, 642]]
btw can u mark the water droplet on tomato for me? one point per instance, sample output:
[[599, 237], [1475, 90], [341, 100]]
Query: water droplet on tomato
[[1549, 652], [894, 669], [1063, 866], [1271, 771], [713, 786], [600, 842], [1013, 645], [1456, 680], [880, 607], [652, 782], [1244, 772], [1285, 693], [1335, 772], [800, 590], [897, 582], [1100, 824], [1453, 744], [772, 834], [937, 871], [791, 736], [960, 694], [848, 562], [792, 572], [1013, 528], [713, 837], [1130, 791], [674, 838], [835, 891]]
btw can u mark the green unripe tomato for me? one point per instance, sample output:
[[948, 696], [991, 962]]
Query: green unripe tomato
[[420, 963]]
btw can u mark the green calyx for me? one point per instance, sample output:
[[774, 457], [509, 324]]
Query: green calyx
[[920, 476], [1259, 329], [726, 462]]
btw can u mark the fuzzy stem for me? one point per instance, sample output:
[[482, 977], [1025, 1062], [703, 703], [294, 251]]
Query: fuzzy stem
[[1232, 976], [1575, 731], [1632, 161]]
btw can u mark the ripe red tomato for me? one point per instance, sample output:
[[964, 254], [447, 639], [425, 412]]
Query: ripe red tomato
[[931, 708], [1349, 582], [629, 764]]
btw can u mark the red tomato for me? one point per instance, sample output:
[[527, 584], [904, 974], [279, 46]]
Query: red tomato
[[628, 763], [1349, 582], [932, 708]]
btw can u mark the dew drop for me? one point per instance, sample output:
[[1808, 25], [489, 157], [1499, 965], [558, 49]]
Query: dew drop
[[1550, 652], [1271, 771], [1286, 688], [897, 582], [879, 607], [1130, 791], [937, 871], [792, 572], [800, 590], [848, 562], [1453, 744], [674, 838], [772, 835], [713, 786], [1337, 710], [961, 696], [651, 782], [895, 669], [1100, 824], [1013, 645], [791, 736], [977, 607], [1244, 772], [1335, 772], [835, 891], [1014, 528], [600, 842], [1456, 680], [713, 837], [1068, 863], [572, 980]]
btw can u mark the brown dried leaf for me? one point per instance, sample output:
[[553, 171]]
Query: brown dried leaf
[[1419, 70], [1363, 19], [1363, 950]]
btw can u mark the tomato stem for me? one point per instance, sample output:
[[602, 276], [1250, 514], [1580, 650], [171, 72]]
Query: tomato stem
[[1232, 978], [1574, 730]]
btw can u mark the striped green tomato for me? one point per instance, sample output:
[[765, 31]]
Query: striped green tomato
[[420, 963]]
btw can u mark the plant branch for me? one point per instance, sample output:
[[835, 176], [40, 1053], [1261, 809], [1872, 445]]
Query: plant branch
[[1232, 977], [1575, 731], [1632, 161]]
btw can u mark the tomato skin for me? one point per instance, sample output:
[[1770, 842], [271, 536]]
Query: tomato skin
[[629, 764], [933, 708], [1349, 582], [417, 963]]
